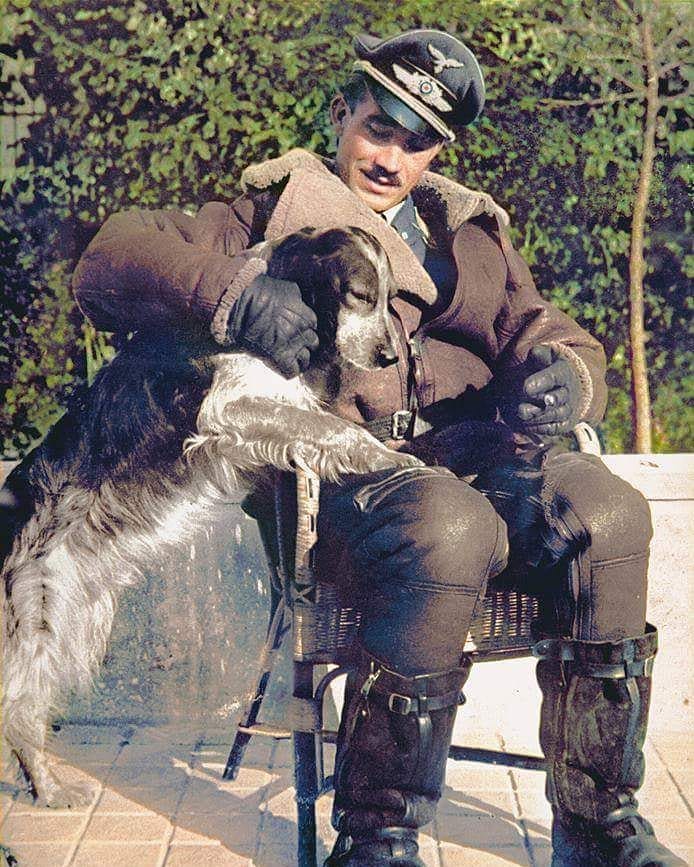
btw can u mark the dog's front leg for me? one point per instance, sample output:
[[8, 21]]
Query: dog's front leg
[[261, 432]]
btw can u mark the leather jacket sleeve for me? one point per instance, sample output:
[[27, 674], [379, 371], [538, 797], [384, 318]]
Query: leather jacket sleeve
[[528, 320], [502, 312], [153, 268]]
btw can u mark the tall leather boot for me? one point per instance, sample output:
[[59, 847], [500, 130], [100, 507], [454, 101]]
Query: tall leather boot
[[592, 729], [391, 760]]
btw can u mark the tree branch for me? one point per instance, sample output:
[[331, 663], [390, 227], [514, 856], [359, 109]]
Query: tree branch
[[591, 29], [563, 103], [636, 88], [627, 9], [673, 37], [626, 58], [672, 97], [668, 67]]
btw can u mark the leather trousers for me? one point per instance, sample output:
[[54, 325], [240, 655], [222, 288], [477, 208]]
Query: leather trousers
[[414, 549], [420, 546]]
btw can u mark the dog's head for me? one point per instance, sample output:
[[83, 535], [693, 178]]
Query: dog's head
[[345, 277]]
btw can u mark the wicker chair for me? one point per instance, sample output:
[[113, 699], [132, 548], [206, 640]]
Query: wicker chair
[[323, 632]]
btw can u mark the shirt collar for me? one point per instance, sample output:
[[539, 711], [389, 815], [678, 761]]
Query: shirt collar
[[391, 213]]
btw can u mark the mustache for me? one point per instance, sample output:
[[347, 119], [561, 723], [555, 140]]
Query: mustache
[[382, 176]]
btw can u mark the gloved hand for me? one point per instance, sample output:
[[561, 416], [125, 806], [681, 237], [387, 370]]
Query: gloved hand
[[270, 319], [549, 399]]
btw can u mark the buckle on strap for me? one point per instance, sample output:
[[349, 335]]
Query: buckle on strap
[[422, 704], [588, 658], [400, 423], [401, 704]]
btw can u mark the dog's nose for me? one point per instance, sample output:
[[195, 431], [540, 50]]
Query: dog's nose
[[387, 356]]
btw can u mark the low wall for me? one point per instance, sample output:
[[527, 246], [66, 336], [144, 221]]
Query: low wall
[[497, 691], [186, 641]]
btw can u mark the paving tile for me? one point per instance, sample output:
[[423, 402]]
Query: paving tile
[[138, 800], [205, 767], [258, 752], [118, 855], [6, 803], [89, 757], [41, 854], [277, 833], [475, 777], [236, 831], [468, 803], [528, 781], [133, 776], [686, 853], [173, 771], [140, 827], [480, 831], [458, 856], [429, 848], [536, 814], [280, 855], [283, 755], [281, 802], [675, 833], [203, 796], [76, 733], [163, 736], [542, 852], [162, 800], [662, 799], [43, 827], [206, 856]]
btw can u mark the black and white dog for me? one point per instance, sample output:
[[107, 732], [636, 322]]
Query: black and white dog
[[170, 431]]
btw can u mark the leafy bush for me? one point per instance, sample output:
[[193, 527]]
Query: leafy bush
[[162, 103]]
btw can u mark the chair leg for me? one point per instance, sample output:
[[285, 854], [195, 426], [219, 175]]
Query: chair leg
[[306, 780], [273, 642]]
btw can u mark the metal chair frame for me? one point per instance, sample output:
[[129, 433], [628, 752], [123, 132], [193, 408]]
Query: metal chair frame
[[323, 631]]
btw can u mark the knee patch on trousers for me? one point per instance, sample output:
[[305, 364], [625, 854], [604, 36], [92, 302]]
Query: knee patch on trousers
[[590, 506], [428, 514]]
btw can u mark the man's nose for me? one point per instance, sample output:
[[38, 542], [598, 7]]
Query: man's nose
[[389, 159]]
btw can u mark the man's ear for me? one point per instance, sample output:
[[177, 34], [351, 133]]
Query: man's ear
[[339, 113]]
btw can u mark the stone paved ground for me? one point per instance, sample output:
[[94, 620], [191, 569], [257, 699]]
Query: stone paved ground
[[160, 802]]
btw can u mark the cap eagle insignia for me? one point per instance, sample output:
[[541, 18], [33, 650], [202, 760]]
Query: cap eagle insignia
[[442, 62], [422, 86]]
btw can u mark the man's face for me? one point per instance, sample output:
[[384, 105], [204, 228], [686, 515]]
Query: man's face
[[379, 160]]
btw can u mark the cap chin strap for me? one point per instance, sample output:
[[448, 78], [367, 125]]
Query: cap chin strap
[[429, 116]]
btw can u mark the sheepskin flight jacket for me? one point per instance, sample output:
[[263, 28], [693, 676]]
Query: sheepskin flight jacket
[[153, 269]]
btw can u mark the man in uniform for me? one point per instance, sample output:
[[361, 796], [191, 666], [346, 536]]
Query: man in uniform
[[487, 371]]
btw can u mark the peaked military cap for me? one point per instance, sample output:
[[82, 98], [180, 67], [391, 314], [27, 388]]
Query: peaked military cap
[[423, 79]]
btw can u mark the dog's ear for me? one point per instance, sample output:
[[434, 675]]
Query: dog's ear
[[299, 257], [288, 257]]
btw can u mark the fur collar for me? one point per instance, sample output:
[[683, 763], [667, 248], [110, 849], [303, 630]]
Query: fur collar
[[314, 195]]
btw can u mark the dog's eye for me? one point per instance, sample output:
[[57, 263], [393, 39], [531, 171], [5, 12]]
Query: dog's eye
[[359, 299]]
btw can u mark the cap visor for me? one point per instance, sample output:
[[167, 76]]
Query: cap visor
[[401, 113]]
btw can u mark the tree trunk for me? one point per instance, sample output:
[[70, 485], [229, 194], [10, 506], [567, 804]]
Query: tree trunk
[[641, 402]]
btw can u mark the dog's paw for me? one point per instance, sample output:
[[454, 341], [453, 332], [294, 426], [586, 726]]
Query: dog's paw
[[66, 796], [7, 857], [373, 455], [403, 459]]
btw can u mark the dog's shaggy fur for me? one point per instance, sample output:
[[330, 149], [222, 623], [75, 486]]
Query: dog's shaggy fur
[[170, 431]]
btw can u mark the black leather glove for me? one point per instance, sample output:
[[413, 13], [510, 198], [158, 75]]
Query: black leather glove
[[548, 401], [270, 319]]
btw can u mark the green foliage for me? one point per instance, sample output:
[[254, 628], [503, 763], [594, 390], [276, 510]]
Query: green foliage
[[44, 370], [161, 103]]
